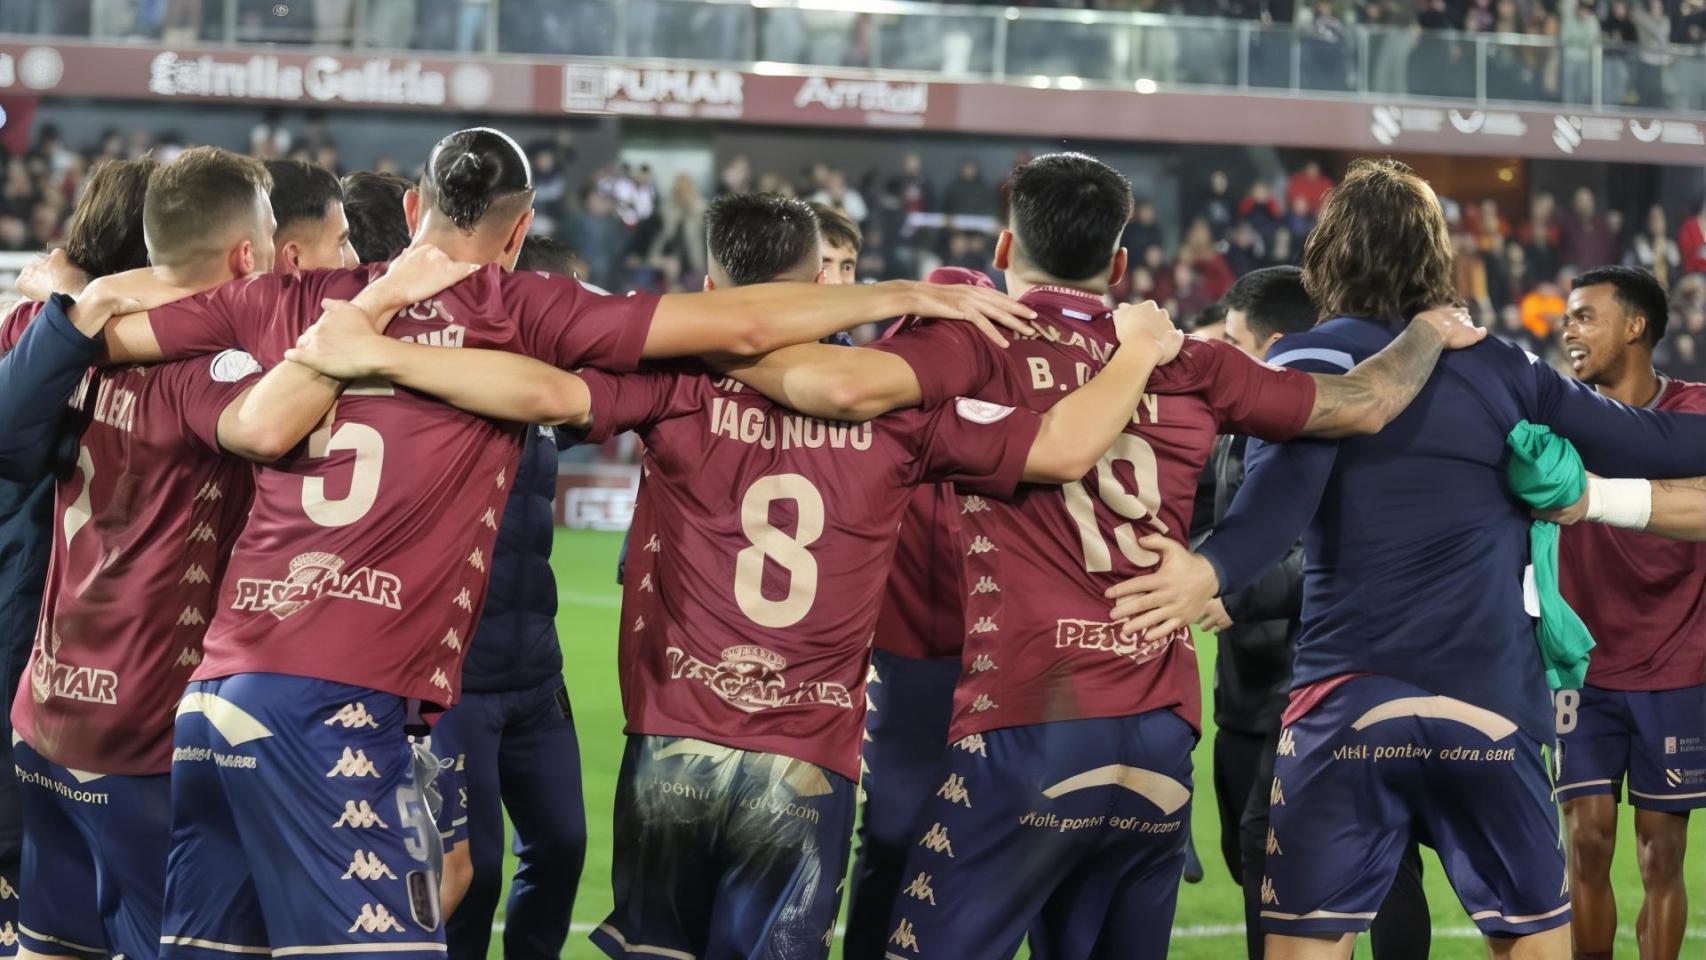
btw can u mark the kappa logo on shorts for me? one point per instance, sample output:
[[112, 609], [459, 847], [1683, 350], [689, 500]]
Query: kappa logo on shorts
[[903, 936], [359, 815], [1287, 744], [190, 657], [352, 715], [353, 763], [368, 866], [972, 744], [750, 678], [1273, 844], [954, 790], [920, 889], [7, 891], [1269, 898], [375, 919], [1276, 796], [316, 575], [8, 935], [936, 840]]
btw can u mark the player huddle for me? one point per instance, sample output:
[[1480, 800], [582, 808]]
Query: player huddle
[[887, 567]]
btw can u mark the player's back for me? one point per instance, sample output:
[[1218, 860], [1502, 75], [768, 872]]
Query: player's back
[[760, 550], [365, 559], [1417, 553], [921, 608]]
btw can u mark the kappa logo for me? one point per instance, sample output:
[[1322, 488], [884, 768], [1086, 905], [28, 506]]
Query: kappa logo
[[191, 617], [209, 491], [973, 504], [490, 519], [440, 681], [980, 545], [985, 585], [316, 575], [954, 790], [1276, 796], [7, 891], [359, 816], [352, 715], [871, 674], [375, 920], [368, 866], [502, 478], [639, 624], [196, 574], [654, 545], [453, 640], [903, 936], [8, 935], [983, 704], [1273, 844], [190, 657], [920, 889], [983, 664], [985, 625], [465, 600], [203, 533], [749, 678], [477, 560], [646, 584], [1287, 744], [353, 763], [936, 840], [1269, 898], [972, 744]]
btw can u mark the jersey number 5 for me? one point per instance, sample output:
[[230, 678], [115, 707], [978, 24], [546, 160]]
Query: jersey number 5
[[369, 448], [788, 552], [1145, 504]]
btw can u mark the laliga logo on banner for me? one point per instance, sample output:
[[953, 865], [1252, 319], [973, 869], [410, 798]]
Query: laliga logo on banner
[[1566, 133], [1386, 125]]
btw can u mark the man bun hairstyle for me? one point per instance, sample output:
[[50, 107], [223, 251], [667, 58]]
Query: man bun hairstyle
[[197, 202], [1273, 300], [1639, 293], [473, 172], [1067, 211], [106, 234], [758, 237]]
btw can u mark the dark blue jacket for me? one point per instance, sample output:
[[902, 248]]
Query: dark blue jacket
[[515, 646]]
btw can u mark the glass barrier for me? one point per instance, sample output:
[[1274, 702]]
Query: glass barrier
[[1004, 44]]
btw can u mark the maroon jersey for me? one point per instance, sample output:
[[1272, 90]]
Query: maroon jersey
[[142, 528], [1038, 644], [18, 319], [365, 558], [923, 600], [1643, 597], [760, 548]]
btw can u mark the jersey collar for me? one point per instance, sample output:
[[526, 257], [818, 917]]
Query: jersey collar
[[1077, 304]]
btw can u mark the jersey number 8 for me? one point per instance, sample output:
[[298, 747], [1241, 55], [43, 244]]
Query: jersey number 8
[[791, 553]]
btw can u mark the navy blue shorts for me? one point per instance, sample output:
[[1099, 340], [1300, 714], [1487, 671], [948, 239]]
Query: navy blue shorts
[[1074, 831], [1654, 739], [298, 825], [725, 853], [1380, 761], [94, 859]]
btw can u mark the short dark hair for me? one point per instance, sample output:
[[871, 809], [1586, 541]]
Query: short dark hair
[[105, 235], [1638, 292], [542, 254], [837, 229], [757, 237], [378, 227], [1212, 314], [1273, 300], [192, 200], [1067, 211], [301, 191], [472, 172]]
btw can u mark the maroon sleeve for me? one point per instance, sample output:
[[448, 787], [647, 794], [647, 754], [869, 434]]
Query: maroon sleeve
[[949, 359], [17, 320], [200, 389], [565, 324], [635, 401], [1250, 397], [222, 318], [980, 447]]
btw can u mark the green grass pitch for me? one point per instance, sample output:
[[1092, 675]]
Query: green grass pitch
[[1209, 920]]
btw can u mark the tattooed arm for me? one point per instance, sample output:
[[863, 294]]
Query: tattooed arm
[[1373, 394]]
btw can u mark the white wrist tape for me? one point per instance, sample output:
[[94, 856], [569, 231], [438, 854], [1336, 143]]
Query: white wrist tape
[[1620, 503]]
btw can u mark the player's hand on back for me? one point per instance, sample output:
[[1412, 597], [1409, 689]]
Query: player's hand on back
[[986, 308], [342, 344], [1175, 595], [50, 274], [1456, 327], [1147, 326], [420, 272]]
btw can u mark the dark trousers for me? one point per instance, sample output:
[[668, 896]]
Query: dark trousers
[[1243, 769], [522, 756]]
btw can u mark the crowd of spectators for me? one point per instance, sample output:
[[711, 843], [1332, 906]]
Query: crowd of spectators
[[634, 230]]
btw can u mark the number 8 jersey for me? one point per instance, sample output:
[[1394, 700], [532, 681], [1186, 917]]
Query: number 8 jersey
[[1039, 646], [366, 556]]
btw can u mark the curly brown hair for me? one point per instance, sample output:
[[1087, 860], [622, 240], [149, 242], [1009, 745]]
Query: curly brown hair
[[1381, 248]]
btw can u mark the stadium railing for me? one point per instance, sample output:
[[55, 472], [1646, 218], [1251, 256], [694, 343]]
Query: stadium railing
[[1067, 49]]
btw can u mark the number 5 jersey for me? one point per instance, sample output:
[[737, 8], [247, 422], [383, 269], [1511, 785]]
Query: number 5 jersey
[[1039, 646]]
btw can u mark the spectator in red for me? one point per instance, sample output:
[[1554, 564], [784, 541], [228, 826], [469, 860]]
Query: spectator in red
[[1261, 211], [1311, 185], [1692, 240], [1212, 276], [1586, 239]]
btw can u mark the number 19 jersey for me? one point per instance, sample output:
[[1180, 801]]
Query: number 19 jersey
[[760, 549], [1039, 646], [366, 557]]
